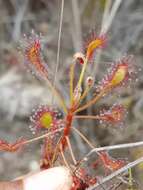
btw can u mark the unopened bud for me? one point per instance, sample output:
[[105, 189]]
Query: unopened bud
[[79, 57], [89, 81]]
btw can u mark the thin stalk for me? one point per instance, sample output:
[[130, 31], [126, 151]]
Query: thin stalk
[[82, 73], [87, 89], [71, 151], [57, 95], [84, 138], [97, 117], [41, 136], [88, 142], [71, 82], [56, 149], [64, 159], [92, 101], [130, 179]]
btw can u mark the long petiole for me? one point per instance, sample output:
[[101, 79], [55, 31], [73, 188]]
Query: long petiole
[[71, 81], [92, 101], [88, 142], [97, 117], [57, 94], [56, 149], [71, 151], [64, 159], [41, 137], [84, 138], [82, 73], [87, 89]]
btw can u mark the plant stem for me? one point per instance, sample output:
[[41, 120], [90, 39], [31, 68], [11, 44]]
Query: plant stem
[[82, 73]]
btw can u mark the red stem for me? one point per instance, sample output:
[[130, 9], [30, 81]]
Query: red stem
[[68, 124]]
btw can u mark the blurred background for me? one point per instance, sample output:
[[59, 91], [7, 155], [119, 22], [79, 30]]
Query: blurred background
[[20, 92]]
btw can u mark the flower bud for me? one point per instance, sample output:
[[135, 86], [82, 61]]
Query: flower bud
[[79, 57], [89, 81]]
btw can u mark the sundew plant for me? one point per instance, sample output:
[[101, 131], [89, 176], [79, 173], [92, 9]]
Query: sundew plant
[[48, 123]]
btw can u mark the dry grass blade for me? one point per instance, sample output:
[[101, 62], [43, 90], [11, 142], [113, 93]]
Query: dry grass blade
[[112, 147], [114, 174], [59, 45], [109, 20], [108, 17], [77, 25], [106, 14], [119, 146]]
